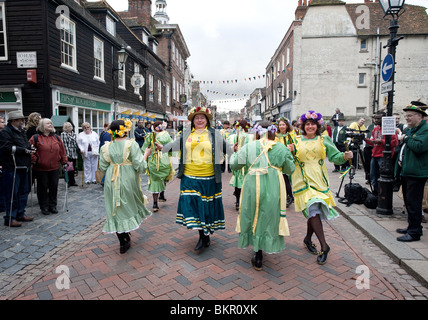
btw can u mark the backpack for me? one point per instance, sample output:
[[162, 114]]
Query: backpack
[[370, 199], [354, 193], [36, 137]]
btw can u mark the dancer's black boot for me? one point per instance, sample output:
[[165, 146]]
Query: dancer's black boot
[[125, 242], [162, 197], [257, 260], [204, 241]]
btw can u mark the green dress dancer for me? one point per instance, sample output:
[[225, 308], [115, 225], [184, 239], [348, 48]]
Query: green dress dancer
[[125, 204], [262, 222], [160, 169], [238, 175]]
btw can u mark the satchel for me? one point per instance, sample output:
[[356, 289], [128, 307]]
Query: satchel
[[99, 175]]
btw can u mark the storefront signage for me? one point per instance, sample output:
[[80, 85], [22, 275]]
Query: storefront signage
[[83, 102], [7, 97], [26, 60]]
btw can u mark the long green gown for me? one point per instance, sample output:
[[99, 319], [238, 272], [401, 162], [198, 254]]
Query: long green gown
[[262, 219], [159, 164], [125, 204], [238, 175]]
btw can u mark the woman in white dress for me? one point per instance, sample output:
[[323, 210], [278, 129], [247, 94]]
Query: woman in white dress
[[89, 143]]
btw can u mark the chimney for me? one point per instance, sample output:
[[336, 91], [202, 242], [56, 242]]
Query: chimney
[[142, 10], [302, 7]]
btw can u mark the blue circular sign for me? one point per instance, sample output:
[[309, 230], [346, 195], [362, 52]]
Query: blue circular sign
[[387, 68]]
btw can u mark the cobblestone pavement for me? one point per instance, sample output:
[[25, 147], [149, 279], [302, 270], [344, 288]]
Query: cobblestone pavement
[[161, 263]]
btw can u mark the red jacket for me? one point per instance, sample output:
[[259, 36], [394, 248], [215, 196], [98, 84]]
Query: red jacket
[[50, 152], [378, 149]]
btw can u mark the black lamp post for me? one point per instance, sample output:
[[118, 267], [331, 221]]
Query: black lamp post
[[122, 57], [279, 88], [386, 180]]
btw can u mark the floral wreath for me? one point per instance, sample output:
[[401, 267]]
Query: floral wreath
[[236, 123], [162, 126], [200, 109], [261, 131], [123, 129], [282, 119], [311, 115]]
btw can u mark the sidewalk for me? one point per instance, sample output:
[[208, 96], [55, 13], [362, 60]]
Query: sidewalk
[[381, 229], [161, 263]]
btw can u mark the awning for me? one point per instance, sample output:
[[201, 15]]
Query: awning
[[58, 121]]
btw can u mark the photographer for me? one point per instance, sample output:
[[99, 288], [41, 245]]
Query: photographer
[[358, 127], [16, 161], [377, 140], [339, 138]]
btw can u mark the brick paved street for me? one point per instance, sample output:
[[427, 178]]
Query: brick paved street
[[161, 264]]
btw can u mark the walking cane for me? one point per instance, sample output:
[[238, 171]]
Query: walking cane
[[83, 168], [13, 184], [31, 190], [65, 208]]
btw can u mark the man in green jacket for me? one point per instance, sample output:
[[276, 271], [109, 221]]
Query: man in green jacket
[[414, 171]]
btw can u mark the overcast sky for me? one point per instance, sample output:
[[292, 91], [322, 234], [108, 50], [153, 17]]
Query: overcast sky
[[231, 40]]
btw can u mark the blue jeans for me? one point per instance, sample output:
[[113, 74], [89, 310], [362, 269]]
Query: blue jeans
[[20, 193], [375, 173]]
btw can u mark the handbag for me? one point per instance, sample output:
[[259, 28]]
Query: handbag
[[99, 175], [70, 166]]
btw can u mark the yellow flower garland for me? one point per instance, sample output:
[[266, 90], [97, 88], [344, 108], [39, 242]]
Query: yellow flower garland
[[122, 130]]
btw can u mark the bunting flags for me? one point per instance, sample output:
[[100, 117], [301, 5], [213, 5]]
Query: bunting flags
[[253, 78]]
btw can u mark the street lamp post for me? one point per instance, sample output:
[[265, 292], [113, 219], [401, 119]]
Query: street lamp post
[[122, 57], [280, 91], [386, 180]]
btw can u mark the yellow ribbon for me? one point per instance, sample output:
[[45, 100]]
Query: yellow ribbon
[[115, 177]]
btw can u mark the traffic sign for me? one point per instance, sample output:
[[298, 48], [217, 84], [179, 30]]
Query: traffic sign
[[387, 68], [386, 87]]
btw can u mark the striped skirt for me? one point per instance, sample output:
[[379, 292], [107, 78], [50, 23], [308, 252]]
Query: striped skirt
[[200, 205]]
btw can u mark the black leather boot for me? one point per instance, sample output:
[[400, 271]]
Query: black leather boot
[[155, 207], [203, 242], [162, 197], [125, 242], [257, 260]]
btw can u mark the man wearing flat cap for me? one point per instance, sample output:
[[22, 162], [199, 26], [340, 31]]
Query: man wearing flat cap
[[15, 153], [413, 160]]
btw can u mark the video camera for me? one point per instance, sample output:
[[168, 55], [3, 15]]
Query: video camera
[[357, 136]]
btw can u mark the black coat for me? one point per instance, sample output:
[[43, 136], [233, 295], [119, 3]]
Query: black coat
[[10, 137]]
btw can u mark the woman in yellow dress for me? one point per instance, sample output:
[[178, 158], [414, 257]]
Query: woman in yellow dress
[[200, 206], [311, 189]]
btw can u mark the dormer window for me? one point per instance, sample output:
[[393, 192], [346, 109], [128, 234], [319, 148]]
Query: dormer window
[[155, 47], [111, 25], [145, 37]]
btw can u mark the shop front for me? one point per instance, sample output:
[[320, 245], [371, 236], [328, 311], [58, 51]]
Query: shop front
[[10, 100], [82, 108]]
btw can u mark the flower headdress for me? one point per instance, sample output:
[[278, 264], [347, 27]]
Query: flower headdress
[[199, 110], [311, 115], [123, 129], [162, 126], [261, 131], [281, 119]]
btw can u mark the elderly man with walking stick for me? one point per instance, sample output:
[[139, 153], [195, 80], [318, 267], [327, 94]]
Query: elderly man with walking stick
[[16, 162]]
